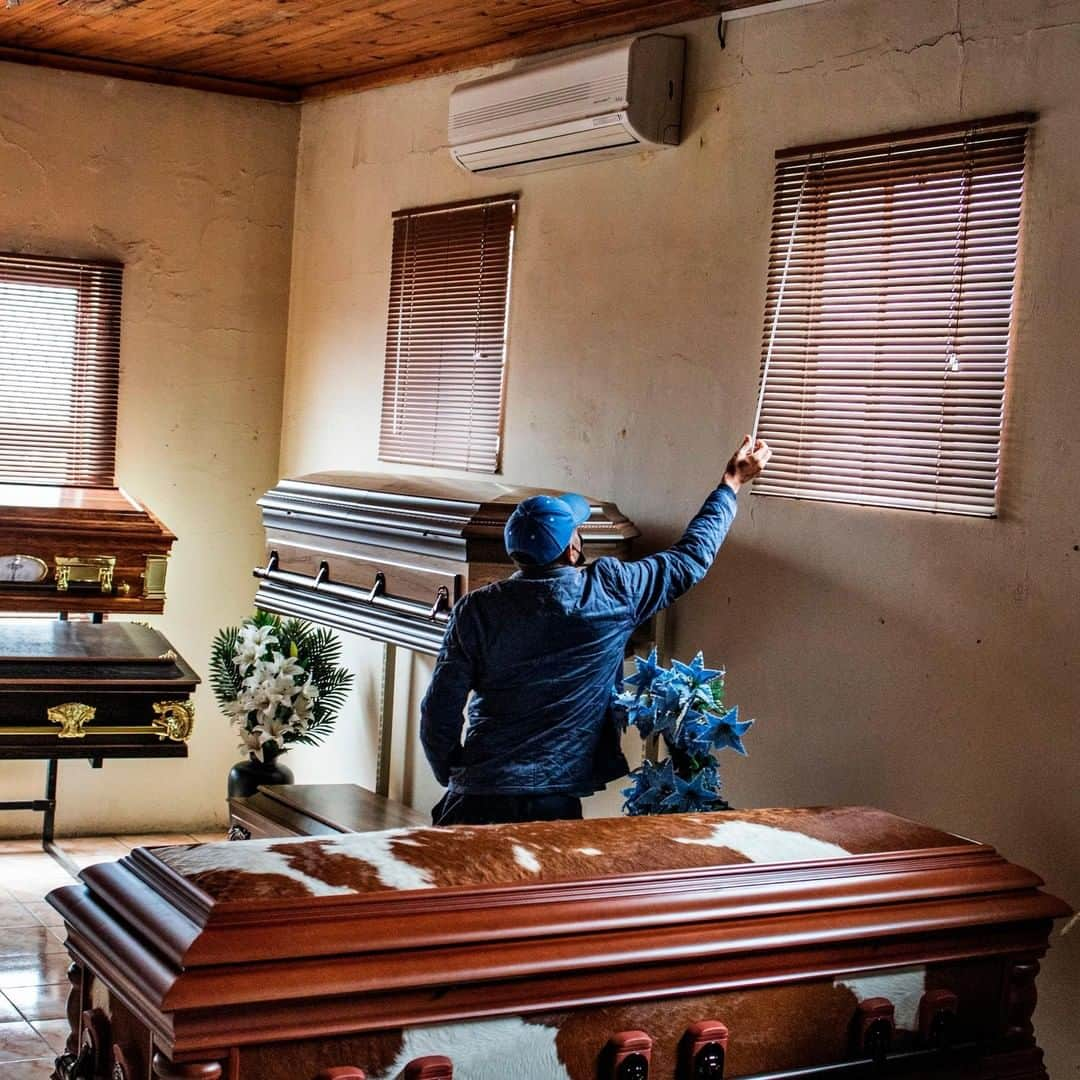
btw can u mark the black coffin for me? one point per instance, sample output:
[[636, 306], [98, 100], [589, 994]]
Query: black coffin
[[86, 690]]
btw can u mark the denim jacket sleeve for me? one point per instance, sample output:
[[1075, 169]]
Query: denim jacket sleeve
[[442, 712], [654, 582]]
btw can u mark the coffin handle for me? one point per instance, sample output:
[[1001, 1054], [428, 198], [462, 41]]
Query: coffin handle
[[375, 597], [442, 602], [875, 1022], [628, 1055], [378, 586], [432, 1067], [703, 1050]]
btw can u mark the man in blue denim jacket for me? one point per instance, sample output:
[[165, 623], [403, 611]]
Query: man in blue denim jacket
[[541, 653]]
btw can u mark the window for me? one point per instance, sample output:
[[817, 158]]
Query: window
[[446, 335], [887, 318], [59, 370]]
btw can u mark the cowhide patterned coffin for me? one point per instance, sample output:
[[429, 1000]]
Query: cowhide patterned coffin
[[768, 943]]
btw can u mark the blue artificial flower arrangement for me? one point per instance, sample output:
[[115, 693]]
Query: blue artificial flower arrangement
[[684, 706]]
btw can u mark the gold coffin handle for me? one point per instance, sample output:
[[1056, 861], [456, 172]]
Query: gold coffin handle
[[85, 570], [173, 720], [72, 716]]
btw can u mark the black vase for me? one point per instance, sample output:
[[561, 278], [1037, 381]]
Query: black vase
[[246, 777]]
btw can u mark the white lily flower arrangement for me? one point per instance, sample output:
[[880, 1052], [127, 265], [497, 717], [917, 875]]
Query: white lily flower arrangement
[[278, 681]]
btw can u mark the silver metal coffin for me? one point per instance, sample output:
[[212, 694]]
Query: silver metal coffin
[[388, 556]]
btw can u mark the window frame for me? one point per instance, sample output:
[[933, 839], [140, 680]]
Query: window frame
[[793, 378], [94, 367], [419, 291]]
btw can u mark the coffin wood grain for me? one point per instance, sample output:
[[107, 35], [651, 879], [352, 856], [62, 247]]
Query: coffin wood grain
[[82, 522], [195, 969]]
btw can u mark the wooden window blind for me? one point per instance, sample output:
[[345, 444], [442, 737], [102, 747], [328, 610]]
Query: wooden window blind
[[59, 370], [446, 335], [887, 318]]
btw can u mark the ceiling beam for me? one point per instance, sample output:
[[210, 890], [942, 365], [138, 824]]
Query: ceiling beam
[[119, 69]]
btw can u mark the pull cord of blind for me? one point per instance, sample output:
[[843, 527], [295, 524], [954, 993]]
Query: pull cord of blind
[[779, 306]]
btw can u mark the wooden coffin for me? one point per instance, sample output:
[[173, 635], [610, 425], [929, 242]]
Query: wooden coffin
[[92, 690], [316, 810], [820, 942], [388, 556], [80, 549]]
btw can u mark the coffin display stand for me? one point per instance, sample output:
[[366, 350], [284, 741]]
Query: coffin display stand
[[830, 942], [84, 689], [88, 690]]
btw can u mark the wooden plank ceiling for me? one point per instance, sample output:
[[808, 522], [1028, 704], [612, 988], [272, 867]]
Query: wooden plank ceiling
[[291, 49]]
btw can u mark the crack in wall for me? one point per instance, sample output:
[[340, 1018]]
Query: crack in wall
[[958, 34], [14, 144]]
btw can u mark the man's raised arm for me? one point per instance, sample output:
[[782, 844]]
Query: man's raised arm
[[657, 580]]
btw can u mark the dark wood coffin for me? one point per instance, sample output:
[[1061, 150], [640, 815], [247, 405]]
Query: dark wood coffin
[[388, 556], [90, 690], [316, 810], [820, 942], [93, 549]]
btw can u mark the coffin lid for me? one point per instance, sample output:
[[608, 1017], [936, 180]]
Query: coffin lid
[[55, 510], [362, 931], [447, 513], [44, 657]]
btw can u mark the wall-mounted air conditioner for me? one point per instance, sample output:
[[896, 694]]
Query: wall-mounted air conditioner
[[576, 108]]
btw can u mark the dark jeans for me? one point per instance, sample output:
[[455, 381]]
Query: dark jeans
[[455, 808]]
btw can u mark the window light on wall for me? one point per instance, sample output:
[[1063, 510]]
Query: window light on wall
[[59, 370], [446, 335], [887, 320]]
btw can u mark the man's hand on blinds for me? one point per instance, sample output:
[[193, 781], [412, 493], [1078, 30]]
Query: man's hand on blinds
[[747, 462]]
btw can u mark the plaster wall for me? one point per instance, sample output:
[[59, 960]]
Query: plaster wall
[[925, 664], [193, 192]]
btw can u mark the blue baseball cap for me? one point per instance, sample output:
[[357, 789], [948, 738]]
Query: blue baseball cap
[[540, 528]]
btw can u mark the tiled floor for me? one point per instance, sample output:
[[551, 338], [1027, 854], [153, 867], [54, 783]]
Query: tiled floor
[[33, 963]]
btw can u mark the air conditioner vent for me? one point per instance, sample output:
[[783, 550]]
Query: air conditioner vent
[[571, 109], [606, 89]]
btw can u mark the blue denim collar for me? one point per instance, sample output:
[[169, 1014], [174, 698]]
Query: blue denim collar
[[545, 571]]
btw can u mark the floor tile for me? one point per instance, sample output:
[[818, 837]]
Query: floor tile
[[211, 837], [156, 840], [37, 891], [12, 913], [8, 1012], [54, 1032], [103, 845], [28, 940], [19, 847], [33, 969], [31, 877], [35, 1069], [47, 1002], [44, 913], [18, 1041], [87, 851]]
